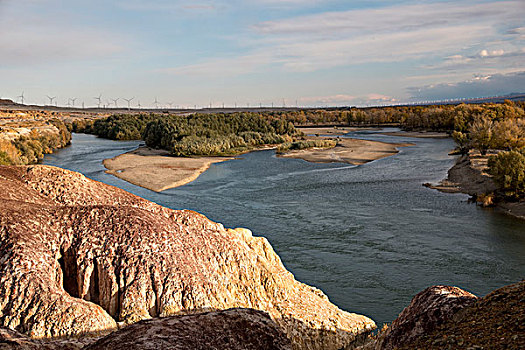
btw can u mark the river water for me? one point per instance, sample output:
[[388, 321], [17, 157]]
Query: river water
[[370, 237]]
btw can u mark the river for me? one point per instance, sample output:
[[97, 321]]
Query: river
[[370, 237]]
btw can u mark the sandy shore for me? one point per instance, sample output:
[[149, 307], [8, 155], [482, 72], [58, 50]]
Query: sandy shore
[[348, 150], [156, 170], [418, 134]]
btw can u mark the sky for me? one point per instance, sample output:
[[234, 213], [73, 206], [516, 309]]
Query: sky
[[252, 52]]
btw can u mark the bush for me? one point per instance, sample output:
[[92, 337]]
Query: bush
[[31, 148], [305, 144], [508, 171]]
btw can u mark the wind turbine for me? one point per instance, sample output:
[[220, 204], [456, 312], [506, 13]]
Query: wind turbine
[[156, 102], [21, 97], [170, 104], [115, 101], [129, 102], [73, 101], [140, 106], [99, 98], [51, 99]]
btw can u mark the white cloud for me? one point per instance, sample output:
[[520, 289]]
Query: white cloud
[[478, 86], [347, 100], [34, 40], [389, 34], [493, 53], [395, 18]]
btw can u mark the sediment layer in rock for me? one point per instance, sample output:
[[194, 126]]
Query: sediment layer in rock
[[80, 258]]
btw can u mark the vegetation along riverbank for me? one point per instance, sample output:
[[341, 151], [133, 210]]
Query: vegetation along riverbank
[[495, 130]]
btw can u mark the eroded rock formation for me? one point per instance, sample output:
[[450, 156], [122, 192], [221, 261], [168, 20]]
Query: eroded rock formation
[[80, 257]]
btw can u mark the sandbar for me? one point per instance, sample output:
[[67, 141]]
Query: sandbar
[[156, 170], [348, 150], [418, 134]]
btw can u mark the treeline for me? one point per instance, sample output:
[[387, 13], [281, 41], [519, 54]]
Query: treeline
[[31, 148], [444, 118], [499, 127], [196, 134], [494, 126]]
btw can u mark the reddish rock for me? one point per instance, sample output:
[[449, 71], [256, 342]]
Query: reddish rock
[[496, 321], [427, 310], [242, 329], [78, 257]]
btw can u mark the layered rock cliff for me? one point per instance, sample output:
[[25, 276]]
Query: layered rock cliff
[[78, 257]]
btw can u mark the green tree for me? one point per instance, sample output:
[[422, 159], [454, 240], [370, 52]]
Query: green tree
[[508, 171]]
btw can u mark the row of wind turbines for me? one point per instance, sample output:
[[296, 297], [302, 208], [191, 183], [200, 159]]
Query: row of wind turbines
[[115, 101], [108, 103], [100, 104]]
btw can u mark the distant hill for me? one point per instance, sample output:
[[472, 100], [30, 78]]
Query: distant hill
[[7, 102]]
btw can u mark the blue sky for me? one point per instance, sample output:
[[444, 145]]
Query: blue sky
[[261, 51]]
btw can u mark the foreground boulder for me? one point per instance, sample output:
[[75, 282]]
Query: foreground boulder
[[12, 340], [443, 317], [78, 258], [496, 321], [235, 329], [426, 311]]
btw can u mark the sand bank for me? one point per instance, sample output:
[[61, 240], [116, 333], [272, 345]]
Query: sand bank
[[418, 134], [348, 150], [156, 170]]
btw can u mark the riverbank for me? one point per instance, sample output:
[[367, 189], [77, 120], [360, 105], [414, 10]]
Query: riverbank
[[469, 175], [156, 170]]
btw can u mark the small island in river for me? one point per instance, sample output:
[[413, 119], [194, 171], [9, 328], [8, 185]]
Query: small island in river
[[156, 170]]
